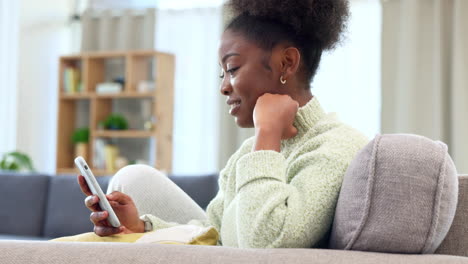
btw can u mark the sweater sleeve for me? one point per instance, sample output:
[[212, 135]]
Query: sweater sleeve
[[273, 213]]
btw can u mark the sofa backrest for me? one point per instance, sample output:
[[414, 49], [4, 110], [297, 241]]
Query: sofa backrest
[[66, 213], [23, 200], [202, 188], [53, 206], [456, 241]]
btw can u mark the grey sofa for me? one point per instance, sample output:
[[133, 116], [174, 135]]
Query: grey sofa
[[41, 207]]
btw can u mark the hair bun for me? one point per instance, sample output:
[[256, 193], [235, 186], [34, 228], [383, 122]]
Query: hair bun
[[319, 20]]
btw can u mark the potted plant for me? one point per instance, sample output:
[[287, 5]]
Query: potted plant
[[115, 122], [80, 139], [16, 161]]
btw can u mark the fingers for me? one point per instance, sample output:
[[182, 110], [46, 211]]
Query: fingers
[[83, 185], [97, 218], [120, 198], [291, 132], [92, 202], [101, 227], [106, 230]]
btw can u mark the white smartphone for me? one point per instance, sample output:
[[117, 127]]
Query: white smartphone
[[96, 190]]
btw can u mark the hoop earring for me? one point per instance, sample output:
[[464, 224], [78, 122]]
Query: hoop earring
[[282, 80]]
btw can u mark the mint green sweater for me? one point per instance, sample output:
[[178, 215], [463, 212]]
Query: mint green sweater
[[268, 199]]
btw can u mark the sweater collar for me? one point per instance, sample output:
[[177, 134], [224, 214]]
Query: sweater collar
[[308, 115]]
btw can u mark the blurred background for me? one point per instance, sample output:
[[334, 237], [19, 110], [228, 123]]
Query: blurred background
[[400, 69]]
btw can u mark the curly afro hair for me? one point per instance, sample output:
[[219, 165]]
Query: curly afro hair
[[311, 25]]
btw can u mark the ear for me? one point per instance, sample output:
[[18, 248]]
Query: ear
[[290, 61]]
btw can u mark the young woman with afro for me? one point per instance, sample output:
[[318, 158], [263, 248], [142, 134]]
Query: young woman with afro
[[281, 187]]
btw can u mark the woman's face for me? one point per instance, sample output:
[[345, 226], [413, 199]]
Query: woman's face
[[248, 72]]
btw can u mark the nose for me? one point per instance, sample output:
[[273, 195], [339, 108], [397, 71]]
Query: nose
[[226, 88]]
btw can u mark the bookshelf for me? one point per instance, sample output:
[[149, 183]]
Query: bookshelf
[[80, 104]]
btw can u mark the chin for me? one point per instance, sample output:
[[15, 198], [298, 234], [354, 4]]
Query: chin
[[242, 123]]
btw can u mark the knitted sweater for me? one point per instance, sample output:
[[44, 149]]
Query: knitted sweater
[[270, 199]]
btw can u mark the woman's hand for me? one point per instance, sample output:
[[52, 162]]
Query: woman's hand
[[273, 120], [123, 207]]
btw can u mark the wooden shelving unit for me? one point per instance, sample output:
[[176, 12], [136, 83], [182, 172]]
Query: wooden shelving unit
[[94, 107]]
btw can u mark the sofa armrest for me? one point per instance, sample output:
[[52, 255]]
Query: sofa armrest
[[456, 241], [115, 253]]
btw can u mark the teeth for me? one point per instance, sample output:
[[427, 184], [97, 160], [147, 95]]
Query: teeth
[[234, 105]]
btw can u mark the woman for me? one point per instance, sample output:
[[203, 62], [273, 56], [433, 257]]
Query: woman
[[281, 187]]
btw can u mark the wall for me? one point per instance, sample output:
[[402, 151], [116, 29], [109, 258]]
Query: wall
[[8, 54], [44, 35], [348, 80]]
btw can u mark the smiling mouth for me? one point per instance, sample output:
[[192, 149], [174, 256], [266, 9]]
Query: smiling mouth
[[234, 108]]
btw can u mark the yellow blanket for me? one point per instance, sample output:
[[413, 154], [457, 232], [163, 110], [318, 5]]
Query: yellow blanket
[[178, 235]]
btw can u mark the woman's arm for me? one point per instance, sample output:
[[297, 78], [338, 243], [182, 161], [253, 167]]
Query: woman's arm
[[273, 120], [274, 213]]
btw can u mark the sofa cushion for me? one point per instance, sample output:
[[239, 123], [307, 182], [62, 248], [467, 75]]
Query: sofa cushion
[[201, 188], [398, 195], [23, 202], [116, 253], [66, 212]]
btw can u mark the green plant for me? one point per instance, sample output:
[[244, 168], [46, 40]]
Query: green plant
[[80, 135], [16, 161], [115, 122]]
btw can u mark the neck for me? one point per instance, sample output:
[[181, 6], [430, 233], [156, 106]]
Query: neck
[[302, 97]]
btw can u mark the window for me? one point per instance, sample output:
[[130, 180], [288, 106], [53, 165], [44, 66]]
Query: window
[[348, 80]]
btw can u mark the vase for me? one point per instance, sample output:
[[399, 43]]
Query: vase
[[110, 153], [81, 149]]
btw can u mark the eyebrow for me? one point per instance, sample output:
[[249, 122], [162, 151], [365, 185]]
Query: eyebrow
[[229, 55]]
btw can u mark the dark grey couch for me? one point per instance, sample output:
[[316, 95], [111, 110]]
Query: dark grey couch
[[41, 207]]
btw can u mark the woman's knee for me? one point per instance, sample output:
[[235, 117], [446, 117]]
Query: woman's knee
[[132, 175]]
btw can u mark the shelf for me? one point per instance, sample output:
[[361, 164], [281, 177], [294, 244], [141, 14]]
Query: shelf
[[116, 54], [124, 134], [78, 96], [87, 108], [126, 95], [74, 171], [72, 57], [75, 96]]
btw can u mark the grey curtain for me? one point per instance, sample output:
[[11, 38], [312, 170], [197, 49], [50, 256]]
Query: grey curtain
[[424, 71], [119, 29]]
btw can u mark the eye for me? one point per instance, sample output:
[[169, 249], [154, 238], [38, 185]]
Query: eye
[[230, 71]]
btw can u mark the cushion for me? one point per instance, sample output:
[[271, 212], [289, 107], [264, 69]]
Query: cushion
[[24, 198], [399, 195], [66, 213]]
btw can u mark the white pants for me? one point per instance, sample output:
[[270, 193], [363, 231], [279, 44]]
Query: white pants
[[154, 193]]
